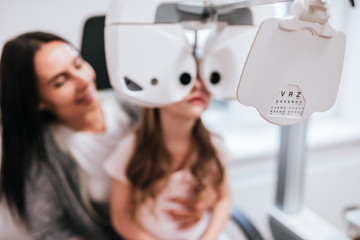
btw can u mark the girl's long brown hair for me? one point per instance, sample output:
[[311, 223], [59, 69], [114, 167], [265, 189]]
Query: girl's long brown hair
[[151, 160]]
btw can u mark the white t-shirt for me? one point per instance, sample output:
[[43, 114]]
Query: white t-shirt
[[90, 150]]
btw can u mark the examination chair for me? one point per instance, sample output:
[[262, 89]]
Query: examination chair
[[92, 50]]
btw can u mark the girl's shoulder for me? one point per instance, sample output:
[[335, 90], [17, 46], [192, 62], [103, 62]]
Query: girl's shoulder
[[127, 141], [222, 151], [215, 138], [116, 164], [218, 142]]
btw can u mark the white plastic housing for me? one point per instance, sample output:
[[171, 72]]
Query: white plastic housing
[[225, 54], [152, 56], [139, 50]]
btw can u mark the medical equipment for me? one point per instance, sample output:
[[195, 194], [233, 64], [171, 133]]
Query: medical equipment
[[292, 70], [294, 66], [162, 69]]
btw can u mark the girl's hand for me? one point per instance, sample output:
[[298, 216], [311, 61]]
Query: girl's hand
[[192, 210], [208, 238]]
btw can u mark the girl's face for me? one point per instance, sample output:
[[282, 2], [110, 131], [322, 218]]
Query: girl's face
[[66, 82], [193, 105]]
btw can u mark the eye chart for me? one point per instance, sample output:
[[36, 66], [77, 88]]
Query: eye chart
[[288, 103]]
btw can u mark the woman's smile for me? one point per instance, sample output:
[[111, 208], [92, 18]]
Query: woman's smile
[[87, 99]]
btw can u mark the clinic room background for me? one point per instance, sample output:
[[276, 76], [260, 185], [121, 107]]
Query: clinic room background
[[333, 158]]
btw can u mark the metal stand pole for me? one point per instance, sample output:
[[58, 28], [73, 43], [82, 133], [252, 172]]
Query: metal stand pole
[[291, 168], [288, 218]]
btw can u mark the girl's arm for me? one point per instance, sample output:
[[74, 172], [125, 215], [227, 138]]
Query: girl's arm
[[220, 212], [120, 210]]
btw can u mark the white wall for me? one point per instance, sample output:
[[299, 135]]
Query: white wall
[[346, 19], [63, 17]]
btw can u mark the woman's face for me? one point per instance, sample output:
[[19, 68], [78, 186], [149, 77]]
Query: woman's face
[[193, 105], [66, 82]]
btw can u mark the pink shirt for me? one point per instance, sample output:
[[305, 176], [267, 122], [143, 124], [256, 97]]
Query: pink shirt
[[160, 224]]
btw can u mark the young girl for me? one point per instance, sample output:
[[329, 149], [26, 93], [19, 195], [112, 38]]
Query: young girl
[[170, 154]]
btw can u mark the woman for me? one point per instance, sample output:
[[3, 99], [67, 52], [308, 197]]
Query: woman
[[56, 132]]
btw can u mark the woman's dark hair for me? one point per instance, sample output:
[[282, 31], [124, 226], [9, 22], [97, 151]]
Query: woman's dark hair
[[22, 123]]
